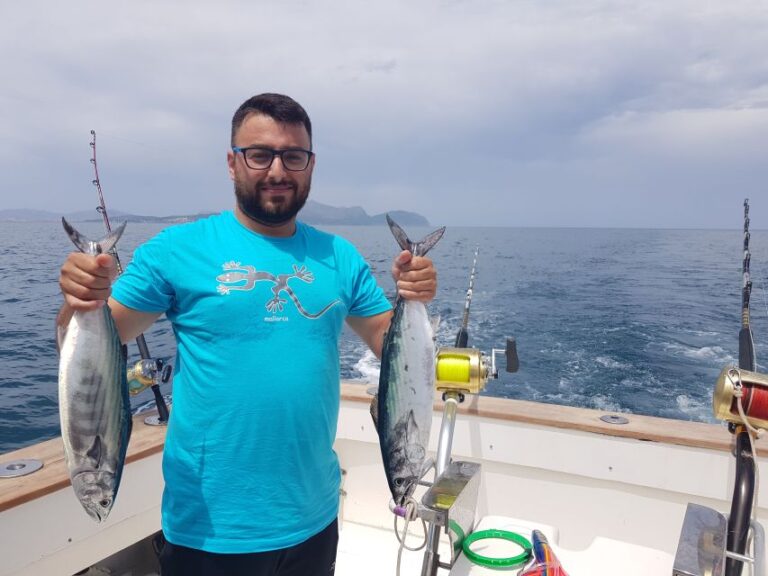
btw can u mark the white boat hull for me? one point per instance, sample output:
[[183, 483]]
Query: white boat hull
[[603, 494]]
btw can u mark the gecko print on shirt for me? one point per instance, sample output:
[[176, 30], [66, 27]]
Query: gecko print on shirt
[[244, 277]]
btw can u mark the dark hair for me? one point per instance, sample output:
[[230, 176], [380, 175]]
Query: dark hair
[[280, 108]]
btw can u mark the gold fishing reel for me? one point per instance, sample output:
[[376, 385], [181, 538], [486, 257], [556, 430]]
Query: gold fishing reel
[[751, 388], [461, 370], [467, 370], [145, 373]]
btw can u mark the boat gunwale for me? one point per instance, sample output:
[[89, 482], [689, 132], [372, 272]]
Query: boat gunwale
[[149, 440]]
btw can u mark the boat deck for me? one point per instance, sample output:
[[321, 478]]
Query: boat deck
[[373, 552]]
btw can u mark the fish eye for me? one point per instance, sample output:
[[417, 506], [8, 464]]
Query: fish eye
[[105, 503], [399, 482]]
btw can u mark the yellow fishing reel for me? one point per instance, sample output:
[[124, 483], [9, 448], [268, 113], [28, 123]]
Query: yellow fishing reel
[[461, 370], [467, 370]]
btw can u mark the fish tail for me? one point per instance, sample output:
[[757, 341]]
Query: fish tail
[[88, 246], [419, 248]]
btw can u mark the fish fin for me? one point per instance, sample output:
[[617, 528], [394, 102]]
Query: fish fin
[[108, 242], [61, 334], [419, 248], [85, 245], [375, 411], [435, 323], [402, 238], [94, 452], [411, 428], [80, 241], [428, 242], [413, 448]]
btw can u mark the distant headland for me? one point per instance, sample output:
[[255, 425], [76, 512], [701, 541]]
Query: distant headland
[[313, 213]]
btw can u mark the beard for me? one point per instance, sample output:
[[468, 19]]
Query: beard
[[251, 202]]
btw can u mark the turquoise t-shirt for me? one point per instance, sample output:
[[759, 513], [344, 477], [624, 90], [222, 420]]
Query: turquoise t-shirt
[[249, 464]]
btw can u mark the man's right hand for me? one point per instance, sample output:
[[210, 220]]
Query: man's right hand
[[86, 281]]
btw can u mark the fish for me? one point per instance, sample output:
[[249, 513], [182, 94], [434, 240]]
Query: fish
[[545, 563], [402, 409], [94, 405]]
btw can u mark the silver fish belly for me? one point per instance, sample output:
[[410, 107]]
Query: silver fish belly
[[406, 384], [94, 405]]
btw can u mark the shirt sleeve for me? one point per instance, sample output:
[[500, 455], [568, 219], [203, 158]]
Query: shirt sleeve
[[144, 285], [368, 299]]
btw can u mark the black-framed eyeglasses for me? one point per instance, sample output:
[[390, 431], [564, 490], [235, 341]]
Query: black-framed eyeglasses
[[261, 158]]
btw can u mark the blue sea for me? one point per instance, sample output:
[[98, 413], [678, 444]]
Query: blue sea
[[622, 320]]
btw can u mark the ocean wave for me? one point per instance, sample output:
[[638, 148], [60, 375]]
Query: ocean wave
[[602, 402], [715, 354], [608, 362], [368, 367], [696, 410]]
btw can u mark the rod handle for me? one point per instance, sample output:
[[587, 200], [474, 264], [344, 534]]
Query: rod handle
[[746, 350]]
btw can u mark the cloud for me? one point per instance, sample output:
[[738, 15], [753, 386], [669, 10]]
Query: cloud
[[476, 111]]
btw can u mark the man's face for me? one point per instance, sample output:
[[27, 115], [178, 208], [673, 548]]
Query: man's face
[[272, 196]]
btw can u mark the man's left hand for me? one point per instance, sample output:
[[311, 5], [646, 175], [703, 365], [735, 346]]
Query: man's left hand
[[415, 276]]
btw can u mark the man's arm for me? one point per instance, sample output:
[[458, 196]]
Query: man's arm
[[130, 323], [86, 283], [416, 279], [371, 329]]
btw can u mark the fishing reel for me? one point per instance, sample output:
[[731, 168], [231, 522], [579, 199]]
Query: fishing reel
[[150, 373], [467, 370], [750, 389], [145, 373]]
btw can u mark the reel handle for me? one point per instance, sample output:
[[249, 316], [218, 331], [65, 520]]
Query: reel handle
[[510, 354], [163, 374], [513, 362]]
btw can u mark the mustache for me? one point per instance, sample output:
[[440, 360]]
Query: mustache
[[287, 185]]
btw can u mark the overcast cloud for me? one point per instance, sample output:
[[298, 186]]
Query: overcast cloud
[[506, 113]]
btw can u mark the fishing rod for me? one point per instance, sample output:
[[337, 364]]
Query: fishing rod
[[462, 337], [747, 359], [740, 518], [147, 372]]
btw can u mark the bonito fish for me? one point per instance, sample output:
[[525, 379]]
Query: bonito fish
[[94, 406], [406, 383]]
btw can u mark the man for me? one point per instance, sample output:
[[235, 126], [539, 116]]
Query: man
[[257, 300]]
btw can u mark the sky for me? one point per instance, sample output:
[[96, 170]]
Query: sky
[[578, 113]]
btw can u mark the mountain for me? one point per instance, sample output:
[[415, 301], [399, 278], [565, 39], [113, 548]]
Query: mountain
[[312, 213], [322, 214]]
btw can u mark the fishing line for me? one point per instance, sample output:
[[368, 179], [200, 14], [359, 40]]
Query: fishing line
[[411, 507]]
